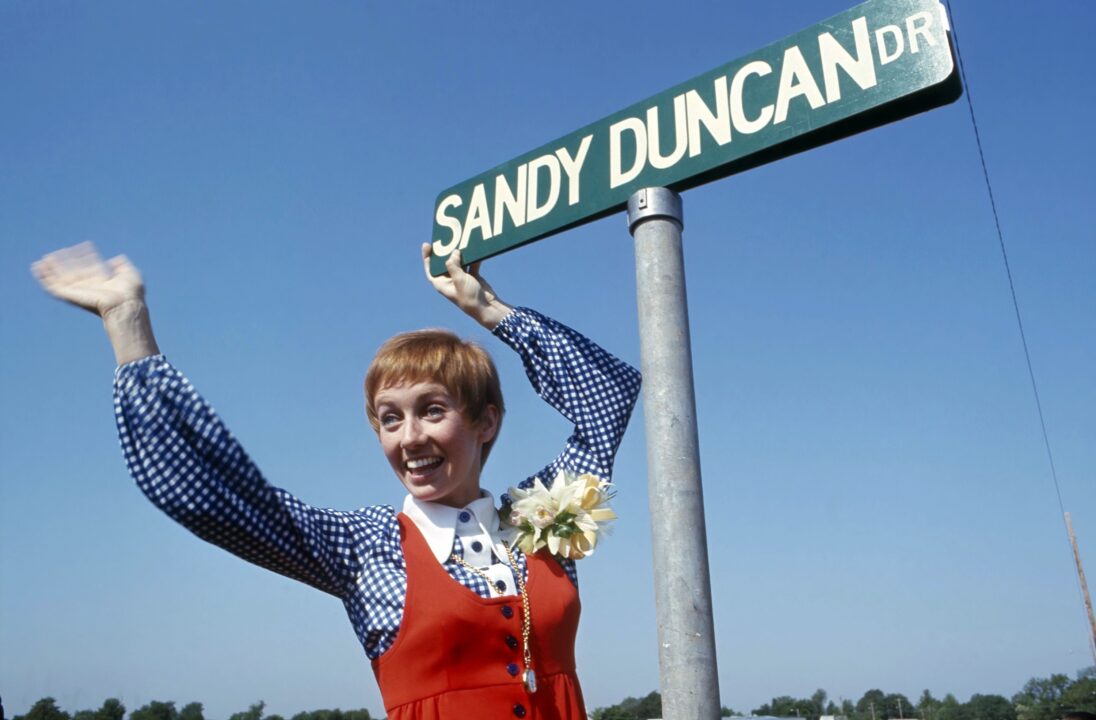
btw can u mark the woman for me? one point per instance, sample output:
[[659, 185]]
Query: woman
[[456, 622]]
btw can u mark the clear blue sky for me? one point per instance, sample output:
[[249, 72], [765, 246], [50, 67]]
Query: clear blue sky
[[879, 501]]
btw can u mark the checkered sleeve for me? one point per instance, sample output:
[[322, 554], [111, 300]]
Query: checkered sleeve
[[191, 467], [591, 388]]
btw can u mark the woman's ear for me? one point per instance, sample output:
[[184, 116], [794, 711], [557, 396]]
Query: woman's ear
[[489, 424]]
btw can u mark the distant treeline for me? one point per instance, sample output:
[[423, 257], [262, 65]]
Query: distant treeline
[[1040, 699], [113, 709]]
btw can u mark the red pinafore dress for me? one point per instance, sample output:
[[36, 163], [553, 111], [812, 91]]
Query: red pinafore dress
[[459, 656]]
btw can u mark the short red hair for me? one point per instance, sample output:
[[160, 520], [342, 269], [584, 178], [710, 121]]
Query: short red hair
[[464, 368]]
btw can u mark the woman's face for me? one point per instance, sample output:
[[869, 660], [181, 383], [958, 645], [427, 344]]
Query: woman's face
[[434, 449]]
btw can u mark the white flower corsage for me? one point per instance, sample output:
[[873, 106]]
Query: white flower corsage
[[566, 519]]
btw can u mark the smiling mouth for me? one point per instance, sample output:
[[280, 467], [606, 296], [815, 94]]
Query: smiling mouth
[[423, 464]]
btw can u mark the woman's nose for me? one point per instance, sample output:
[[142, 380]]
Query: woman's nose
[[412, 433]]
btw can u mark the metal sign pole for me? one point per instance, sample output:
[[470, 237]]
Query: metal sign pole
[[683, 597]]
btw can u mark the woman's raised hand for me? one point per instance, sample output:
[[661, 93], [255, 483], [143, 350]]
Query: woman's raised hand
[[112, 290], [79, 276], [467, 290]]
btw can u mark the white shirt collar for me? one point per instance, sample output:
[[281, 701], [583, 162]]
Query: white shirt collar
[[438, 523]]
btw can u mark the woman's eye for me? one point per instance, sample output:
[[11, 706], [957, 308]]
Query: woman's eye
[[435, 411], [388, 419]]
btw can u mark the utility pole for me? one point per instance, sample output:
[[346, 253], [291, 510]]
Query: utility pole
[[1084, 587], [871, 705]]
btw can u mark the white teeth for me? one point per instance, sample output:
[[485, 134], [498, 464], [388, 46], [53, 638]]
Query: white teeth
[[422, 462]]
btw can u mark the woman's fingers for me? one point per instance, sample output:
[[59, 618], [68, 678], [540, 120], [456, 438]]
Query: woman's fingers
[[466, 289], [454, 266], [40, 270], [78, 275], [426, 261], [47, 273], [73, 264]]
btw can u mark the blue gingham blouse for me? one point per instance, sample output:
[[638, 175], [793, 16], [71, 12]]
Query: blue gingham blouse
[[191, 467]]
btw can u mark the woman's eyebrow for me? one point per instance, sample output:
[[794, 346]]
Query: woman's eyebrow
[[386, 405], [439, 392]]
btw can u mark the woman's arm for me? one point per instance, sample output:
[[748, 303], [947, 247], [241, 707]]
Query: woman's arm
[[590, 387], [190, 466], [181, 454]]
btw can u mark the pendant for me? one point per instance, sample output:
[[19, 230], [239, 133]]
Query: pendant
[[530, 680]]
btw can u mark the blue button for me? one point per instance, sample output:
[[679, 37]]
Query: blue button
[[512, 642], [477, 546], [512, 668], [500, 585], [465, 516], [507, 612], [519, 710]]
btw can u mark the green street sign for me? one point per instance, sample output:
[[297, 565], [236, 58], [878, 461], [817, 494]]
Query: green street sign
[[881, 61]]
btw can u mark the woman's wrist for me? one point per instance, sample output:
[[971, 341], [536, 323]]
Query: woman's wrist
[[492, 313], [129, 329]]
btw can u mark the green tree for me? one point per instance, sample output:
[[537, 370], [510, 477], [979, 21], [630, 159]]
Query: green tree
[[989, 707], [44, 709], [112, 709], [950, 709], [1081, 695], [774, 706], [927, 705], [632, 709], [896, 705], [155, 710], [650, 706], [1041, 698], [870, 706], [621, 711], [360, 714], [336, 714], [191, 711], [611, 712], [788, 706], [254, 712], [726, 712]]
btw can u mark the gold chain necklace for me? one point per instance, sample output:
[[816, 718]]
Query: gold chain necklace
[[528, 676]]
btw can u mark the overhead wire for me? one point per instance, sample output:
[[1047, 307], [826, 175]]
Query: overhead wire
[[1012, 291]]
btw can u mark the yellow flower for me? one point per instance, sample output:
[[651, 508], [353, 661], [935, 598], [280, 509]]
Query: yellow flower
[[542, 517], [580, 501]]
